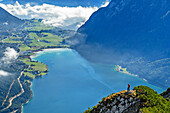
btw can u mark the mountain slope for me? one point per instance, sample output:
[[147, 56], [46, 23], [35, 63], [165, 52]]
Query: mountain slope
[[140, 100], [8, 21], [134, 34], [130, 24]]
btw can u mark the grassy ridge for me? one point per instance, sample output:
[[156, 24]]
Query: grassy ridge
[[12, 40], [149, 101], [44, 39], [37, 25], [153, 102]]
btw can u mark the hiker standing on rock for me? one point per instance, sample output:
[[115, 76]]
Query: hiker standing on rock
[[128, 89]]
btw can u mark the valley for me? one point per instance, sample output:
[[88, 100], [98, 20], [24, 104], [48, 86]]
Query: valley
[[32, 37], [48, 66]]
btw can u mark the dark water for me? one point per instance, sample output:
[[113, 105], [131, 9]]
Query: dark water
[[73, 84]]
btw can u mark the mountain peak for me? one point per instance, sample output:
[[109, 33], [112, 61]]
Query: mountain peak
[[140, 99], [8, 21]]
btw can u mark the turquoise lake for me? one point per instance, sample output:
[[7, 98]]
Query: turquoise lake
[[74, 84]]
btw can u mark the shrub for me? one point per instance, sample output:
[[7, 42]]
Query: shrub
[[154, 102]]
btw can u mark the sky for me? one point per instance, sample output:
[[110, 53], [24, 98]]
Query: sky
[[69, 3], [66, 17]]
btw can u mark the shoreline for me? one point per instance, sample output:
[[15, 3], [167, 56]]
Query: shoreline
[[22, 107], [43, 50], [124, 71], [31, 58], [116, 67], [121, 70]]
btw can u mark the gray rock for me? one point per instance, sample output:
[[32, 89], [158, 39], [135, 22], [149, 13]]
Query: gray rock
[[112, 104], [118, 98], [104, 107], [122, 99], [135, 98], [130, 99], [108, 105], [130, 104], [126, 101], [133, 102], [108, 111], [126, 105], [114, 108], [101, 110], [116, 111], [122, 102], [121, 110], [115, 101], [120, 106]]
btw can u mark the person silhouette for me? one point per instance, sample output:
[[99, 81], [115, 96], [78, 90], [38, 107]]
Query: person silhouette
[[128, 89]]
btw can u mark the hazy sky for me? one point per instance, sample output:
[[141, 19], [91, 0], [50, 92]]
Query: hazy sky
[[69, 3], [59, 16]]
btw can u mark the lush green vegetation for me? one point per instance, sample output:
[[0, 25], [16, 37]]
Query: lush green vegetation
[[153, 102], [36, 25], [150, 100], [32, 37], [37, 36], [35, 68], [25, 47], [125, 70], [44, 39], [35, 65], [29, 75], [12, 40]]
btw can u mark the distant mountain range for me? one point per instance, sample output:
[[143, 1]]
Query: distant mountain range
[[8, 21], [131, 33]]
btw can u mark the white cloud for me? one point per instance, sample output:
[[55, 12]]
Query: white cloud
[[64, 17], [106, 3], [9, 55], [4, 73]]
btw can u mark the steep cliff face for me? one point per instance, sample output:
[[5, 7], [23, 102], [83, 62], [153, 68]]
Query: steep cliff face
[[141, 99], [129, 24], [131, 33], [117, 103], [8, 21]]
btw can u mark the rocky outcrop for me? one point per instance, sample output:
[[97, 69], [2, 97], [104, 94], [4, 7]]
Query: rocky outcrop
[[118, 103], [140, 100]]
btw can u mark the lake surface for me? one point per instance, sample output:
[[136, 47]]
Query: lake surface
[[74, 84]]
